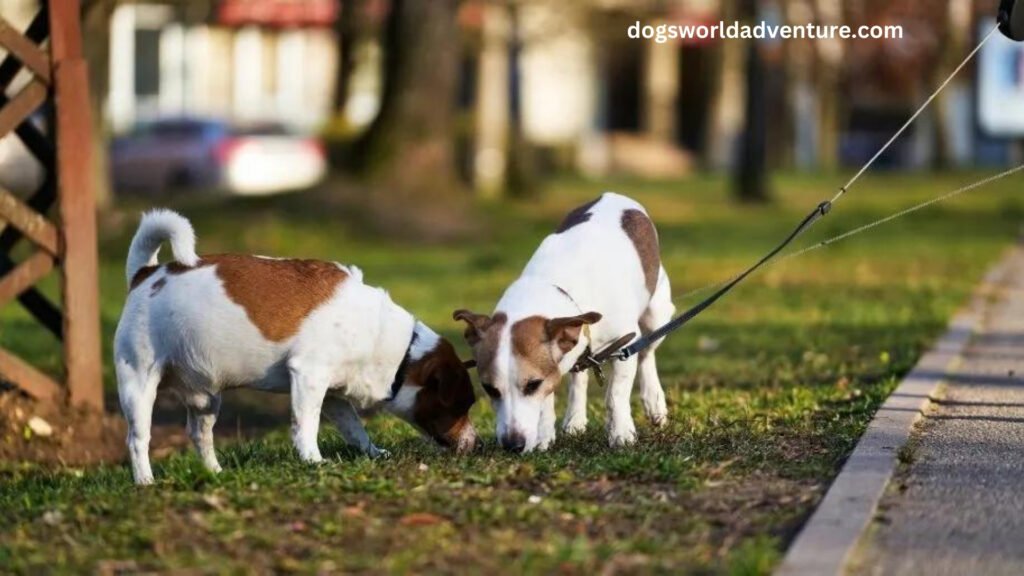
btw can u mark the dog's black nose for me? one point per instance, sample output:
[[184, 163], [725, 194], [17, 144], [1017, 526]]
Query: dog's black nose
[[514, 442]]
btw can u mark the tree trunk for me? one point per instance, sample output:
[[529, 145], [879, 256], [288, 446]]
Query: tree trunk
[[521, 177], [350, 29], [96, 49], [751, 173], [409, 147]]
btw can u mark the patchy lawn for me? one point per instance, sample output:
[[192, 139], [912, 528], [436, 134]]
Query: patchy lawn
[[768, 392]]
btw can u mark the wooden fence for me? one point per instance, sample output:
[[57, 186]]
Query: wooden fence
[[59, 219]]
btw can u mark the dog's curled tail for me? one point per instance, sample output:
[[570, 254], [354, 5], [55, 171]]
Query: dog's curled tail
[[157, 227]]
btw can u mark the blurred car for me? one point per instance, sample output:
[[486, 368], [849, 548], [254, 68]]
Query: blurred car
[[195, 153]]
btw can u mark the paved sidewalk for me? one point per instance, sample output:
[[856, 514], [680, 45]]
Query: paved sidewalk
[[957, 508]]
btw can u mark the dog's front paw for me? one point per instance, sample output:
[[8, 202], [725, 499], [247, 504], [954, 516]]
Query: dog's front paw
[[620, 436], [311, 457], [658, 419], [376, 453], [545, 442], [575, 425]]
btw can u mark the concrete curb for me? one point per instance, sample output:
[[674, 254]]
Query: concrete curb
[[826, 543]]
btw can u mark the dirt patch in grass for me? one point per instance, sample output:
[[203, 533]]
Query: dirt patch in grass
[[31, 431]]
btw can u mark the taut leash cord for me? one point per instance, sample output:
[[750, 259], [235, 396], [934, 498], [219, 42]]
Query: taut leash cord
[[865, 227], [907, 124]]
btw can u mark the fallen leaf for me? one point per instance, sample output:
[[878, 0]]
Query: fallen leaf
[[420, 519], [214, 501], [352, 512], [52, 517], [40, 427]]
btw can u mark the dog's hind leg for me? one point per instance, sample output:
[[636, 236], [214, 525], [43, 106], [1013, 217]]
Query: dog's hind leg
[[659, 312], [202, 415], [575, 419], [651, 393], [136, 389], [348, 423]]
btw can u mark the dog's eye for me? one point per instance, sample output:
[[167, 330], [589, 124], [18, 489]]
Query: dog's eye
[[491, 391], [532, 386]]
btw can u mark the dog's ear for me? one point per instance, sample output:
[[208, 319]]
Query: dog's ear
[[566, 331], [454, 387], [476, 324]]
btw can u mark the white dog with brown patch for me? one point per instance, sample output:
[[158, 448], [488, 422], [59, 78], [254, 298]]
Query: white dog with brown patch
[[199, 325], [597, 278]]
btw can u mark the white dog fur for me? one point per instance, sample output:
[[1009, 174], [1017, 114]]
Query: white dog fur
[[596, 279], [199, 325]]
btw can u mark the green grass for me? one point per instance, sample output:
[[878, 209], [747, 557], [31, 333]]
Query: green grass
[[768, 392]]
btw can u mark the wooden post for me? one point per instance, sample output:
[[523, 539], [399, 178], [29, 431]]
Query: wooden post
[[61, 79], [77, 205]]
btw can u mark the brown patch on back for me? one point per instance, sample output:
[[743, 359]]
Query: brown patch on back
[[158, 286], [277, 294], [578, 216], [640, 229], [529, 339]]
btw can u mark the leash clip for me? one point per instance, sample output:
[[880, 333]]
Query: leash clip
[[589, 362]]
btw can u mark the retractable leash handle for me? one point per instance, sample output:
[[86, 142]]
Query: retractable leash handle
[[1011, 19]]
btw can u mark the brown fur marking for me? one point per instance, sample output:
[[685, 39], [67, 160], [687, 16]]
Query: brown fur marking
[[530, 343], [142, 275], [158, 286], [566, 331], [277, 295], [487, 345], [446, 395], [578, 216], [640, 229]]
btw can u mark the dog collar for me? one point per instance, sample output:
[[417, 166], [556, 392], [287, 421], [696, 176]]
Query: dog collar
[[586, 327], [403, 366]]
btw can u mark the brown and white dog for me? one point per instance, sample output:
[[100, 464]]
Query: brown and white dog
[[597, 278], [199, 325]]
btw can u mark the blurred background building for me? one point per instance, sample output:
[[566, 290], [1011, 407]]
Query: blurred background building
[[241, 59], [543, 85]]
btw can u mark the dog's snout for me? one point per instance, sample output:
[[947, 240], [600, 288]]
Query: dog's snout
[[514, 442]]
